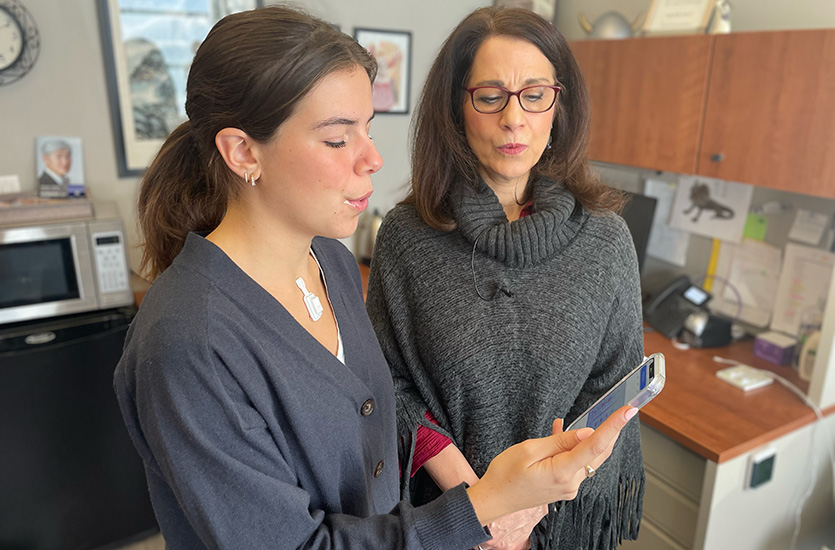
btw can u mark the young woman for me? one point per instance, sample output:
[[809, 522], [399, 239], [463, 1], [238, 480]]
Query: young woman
[[504, 291], [251, 383]]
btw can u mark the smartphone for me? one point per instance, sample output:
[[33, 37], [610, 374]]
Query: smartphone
[[636, 389]]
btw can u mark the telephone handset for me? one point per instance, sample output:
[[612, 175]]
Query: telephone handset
[[669, 308]]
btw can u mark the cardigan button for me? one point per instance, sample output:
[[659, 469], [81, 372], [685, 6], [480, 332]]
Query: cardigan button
[[379, 469], [367, 407]]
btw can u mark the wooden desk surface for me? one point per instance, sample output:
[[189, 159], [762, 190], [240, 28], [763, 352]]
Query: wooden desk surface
[[712, 418], [364, 269]]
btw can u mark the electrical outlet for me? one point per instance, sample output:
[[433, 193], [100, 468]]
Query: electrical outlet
[[760, 468]]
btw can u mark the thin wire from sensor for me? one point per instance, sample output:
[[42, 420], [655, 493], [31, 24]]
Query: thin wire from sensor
[[504, 291]]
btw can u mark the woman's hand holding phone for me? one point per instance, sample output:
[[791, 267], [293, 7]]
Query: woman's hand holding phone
[[549, 469]]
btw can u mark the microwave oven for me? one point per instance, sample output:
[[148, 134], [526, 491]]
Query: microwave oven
[[62, 268]]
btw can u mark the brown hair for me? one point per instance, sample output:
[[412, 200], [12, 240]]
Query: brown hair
[[249, 73], [440, 151]]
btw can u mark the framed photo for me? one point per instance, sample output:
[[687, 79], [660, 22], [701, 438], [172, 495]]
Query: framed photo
[[678, 16], [392, 50], [148, 47], [59, 166], [545, 8]]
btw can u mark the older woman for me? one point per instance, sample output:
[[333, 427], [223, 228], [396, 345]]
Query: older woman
[[503, 289]]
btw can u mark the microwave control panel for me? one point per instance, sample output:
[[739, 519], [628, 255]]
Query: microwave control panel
[[110, 261]]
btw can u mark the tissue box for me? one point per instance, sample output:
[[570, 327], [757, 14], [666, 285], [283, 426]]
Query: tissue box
[[774, 347]]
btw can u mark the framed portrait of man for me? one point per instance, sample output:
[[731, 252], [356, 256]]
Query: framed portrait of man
[[60, 167]]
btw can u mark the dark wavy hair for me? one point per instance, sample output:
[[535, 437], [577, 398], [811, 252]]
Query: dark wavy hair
[[250, 72], [440, 151]]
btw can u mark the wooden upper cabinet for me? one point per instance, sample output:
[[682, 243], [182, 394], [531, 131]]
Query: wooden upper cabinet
[[770, 113], [647, 98]]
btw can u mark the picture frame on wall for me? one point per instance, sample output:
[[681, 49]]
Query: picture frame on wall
[[148, 48], [678, 16], [546, 8], [393, 52]]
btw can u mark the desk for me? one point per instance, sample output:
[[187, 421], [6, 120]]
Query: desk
[[364, 270], [712, 418], [698, 435]]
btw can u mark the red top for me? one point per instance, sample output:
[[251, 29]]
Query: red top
[[428, 443]]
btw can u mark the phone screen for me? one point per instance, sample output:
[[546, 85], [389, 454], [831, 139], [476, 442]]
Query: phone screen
[[626, 392]]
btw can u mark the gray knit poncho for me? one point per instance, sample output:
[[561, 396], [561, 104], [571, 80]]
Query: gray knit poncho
[[559, 324]]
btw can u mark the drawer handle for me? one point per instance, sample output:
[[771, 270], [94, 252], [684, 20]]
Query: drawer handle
[[40, 338], [717, 157]]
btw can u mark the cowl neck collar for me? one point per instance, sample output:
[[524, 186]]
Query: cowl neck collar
[[555, 220]]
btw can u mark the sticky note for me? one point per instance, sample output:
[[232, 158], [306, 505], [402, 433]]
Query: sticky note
[[755, 227]]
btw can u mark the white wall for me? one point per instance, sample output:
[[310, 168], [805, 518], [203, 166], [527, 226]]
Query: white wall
[[822, 384], [746, 15], [66, 93]]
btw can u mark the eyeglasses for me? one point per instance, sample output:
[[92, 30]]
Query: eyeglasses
[[533, 99]]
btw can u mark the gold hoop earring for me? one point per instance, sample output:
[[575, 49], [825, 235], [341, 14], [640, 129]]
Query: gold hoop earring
[[248, 180]]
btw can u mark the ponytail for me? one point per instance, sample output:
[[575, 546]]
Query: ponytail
[[178, 195]]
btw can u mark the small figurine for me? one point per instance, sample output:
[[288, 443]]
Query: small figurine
[[720, 19], [611, 25]]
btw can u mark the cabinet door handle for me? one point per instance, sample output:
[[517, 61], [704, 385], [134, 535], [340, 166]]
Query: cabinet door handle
[[717, 157]]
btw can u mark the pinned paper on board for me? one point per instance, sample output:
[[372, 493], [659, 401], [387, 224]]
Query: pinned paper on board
[[804, 284], [746, 278], [711, 207], [808, 227], [665, 243]]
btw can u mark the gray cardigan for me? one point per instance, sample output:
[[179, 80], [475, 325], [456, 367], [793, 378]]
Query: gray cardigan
[[559, 324], [254, 435]]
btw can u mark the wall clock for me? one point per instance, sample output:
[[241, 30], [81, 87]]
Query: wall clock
[[20, 41]]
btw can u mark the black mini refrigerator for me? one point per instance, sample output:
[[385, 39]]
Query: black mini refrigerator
[[70, 478]]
